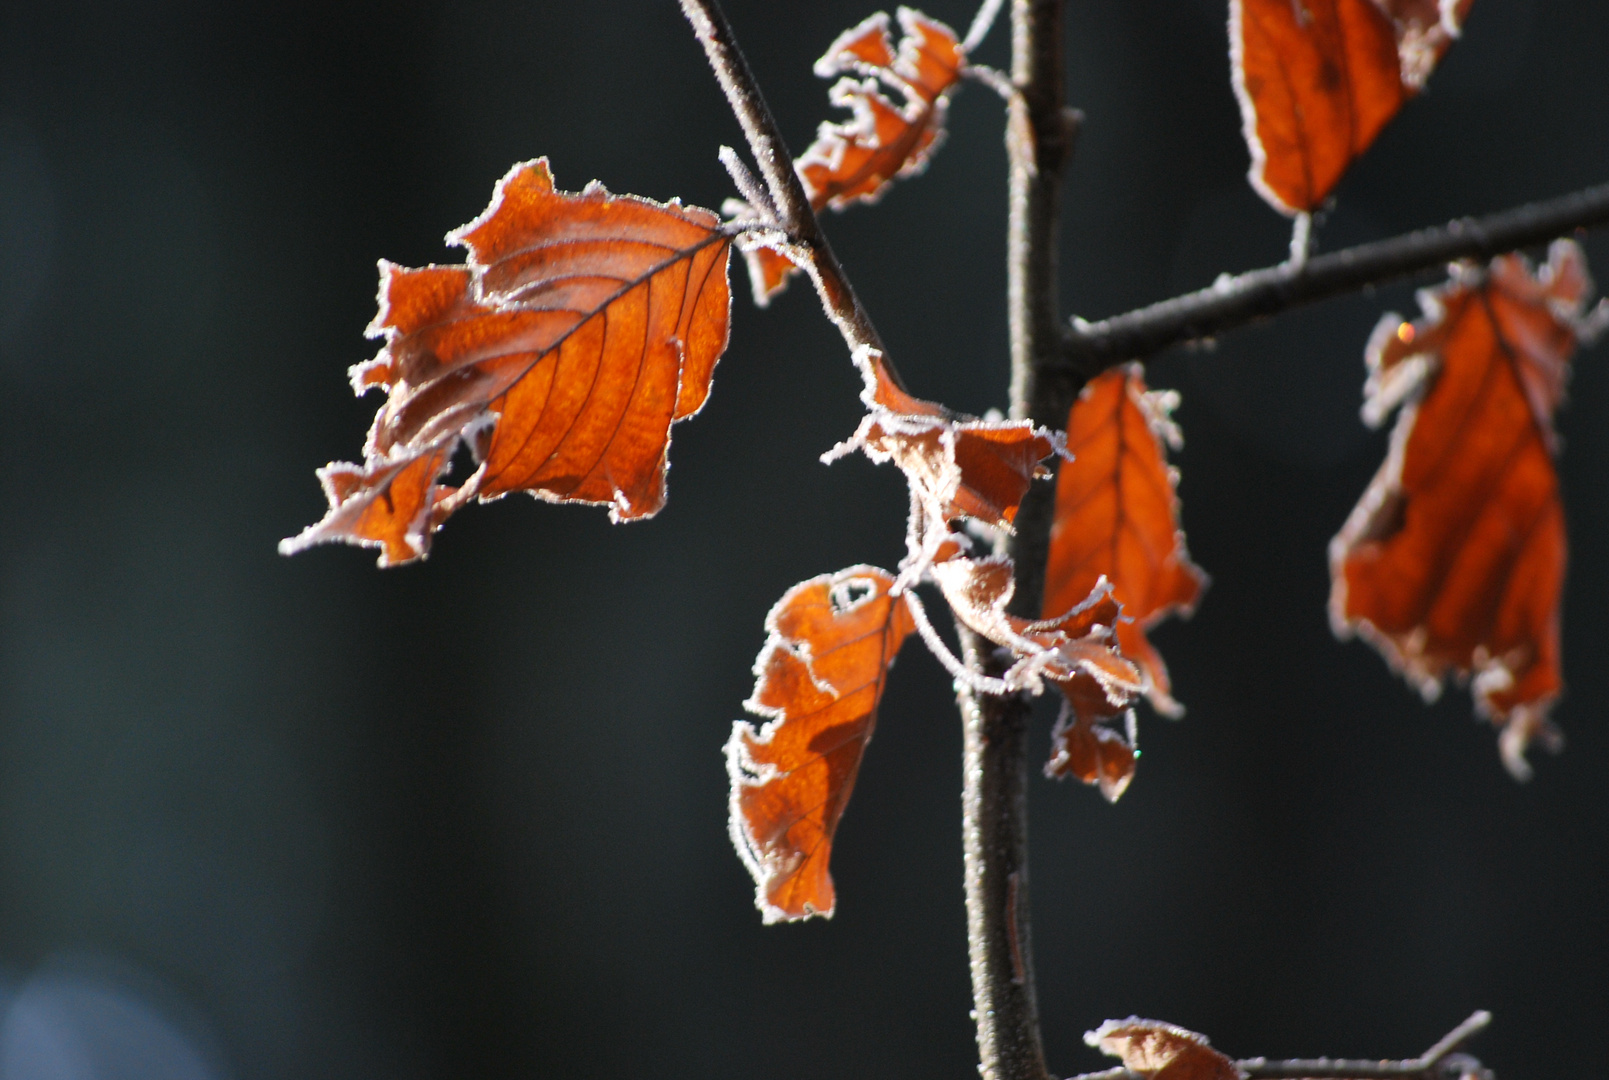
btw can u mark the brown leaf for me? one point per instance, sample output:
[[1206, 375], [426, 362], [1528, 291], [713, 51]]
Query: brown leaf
[[957, 466], [1117, 517], [1318, 79], [854, 161], [1454, 559], [582, 327], [819, 679], [1161, 1051], [1077, 651], [1097, 688]]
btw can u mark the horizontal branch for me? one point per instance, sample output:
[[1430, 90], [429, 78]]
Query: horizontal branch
[[1437, 1063], [1232, 302]]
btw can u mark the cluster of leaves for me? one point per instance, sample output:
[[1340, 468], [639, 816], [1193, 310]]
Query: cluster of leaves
[[583, 326]]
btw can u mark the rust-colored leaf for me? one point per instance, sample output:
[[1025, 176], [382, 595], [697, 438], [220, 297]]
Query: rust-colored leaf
[[957, 465], [1318, 79], [1099, 685], [1117, 517], [1077, 651], [1454, 559], [581, 328], [1160, 1051], [855, 160], [819, 679]]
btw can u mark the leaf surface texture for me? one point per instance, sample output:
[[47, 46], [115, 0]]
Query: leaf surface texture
[[1117, 517], [1318, 79], [819, 680], [1453, 561], [580, 329]]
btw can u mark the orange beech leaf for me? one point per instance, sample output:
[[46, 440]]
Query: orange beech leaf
[[855, 160], [1117, 517], [582, 327], [1161, 1051], [1076, 650], [1453, 560], [957, 465], [1318, 79], [819, 679]]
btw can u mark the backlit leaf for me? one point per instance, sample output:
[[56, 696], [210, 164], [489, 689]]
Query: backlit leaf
[[1318, 79], [855, 160], [1161, 1051], [581, 328], [1077, 651], [957, 465], [1454, 559], [1117, 517], [819, 679]]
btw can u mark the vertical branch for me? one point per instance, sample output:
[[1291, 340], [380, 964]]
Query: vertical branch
[[994, 837], [1040, 141], [994, 800]]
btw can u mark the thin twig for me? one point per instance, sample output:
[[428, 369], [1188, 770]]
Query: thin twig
[[788, 195], [1423, 1067], [981, 23], [1232, 302]]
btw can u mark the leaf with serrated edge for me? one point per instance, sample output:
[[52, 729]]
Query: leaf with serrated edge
[[818, 682], [582, 327], [1117, 517], [1453, 561], [855, 160]]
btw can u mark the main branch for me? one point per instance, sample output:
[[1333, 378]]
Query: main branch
[[994, 793], [1232, 302]]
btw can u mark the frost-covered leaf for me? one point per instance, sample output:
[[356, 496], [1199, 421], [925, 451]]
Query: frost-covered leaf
[[958, 466], [855, 160], [1453, 561], [1160, 1051], [1318, 79], [818, 681], [1117, 517], [581, 328], [1076, 651]]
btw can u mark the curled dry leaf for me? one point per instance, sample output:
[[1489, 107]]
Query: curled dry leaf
[[819, 679], [854, 161], [1077, 651], [1160, 1051], [1453, 561], [1318, 79], [1117, 517], [1097, 690], [581, 328], [957, 465]]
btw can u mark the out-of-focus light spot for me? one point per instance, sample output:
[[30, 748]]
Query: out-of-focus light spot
[[61, 1025]]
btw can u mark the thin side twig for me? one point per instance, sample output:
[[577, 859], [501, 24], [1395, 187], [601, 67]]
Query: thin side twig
[[1232, 302], [1426, 1066], [788, 195]]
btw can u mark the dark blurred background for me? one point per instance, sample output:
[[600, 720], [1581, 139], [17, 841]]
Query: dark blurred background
[[265, 817]]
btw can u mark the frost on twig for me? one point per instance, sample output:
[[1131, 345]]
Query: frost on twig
[[1152, 1050]]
